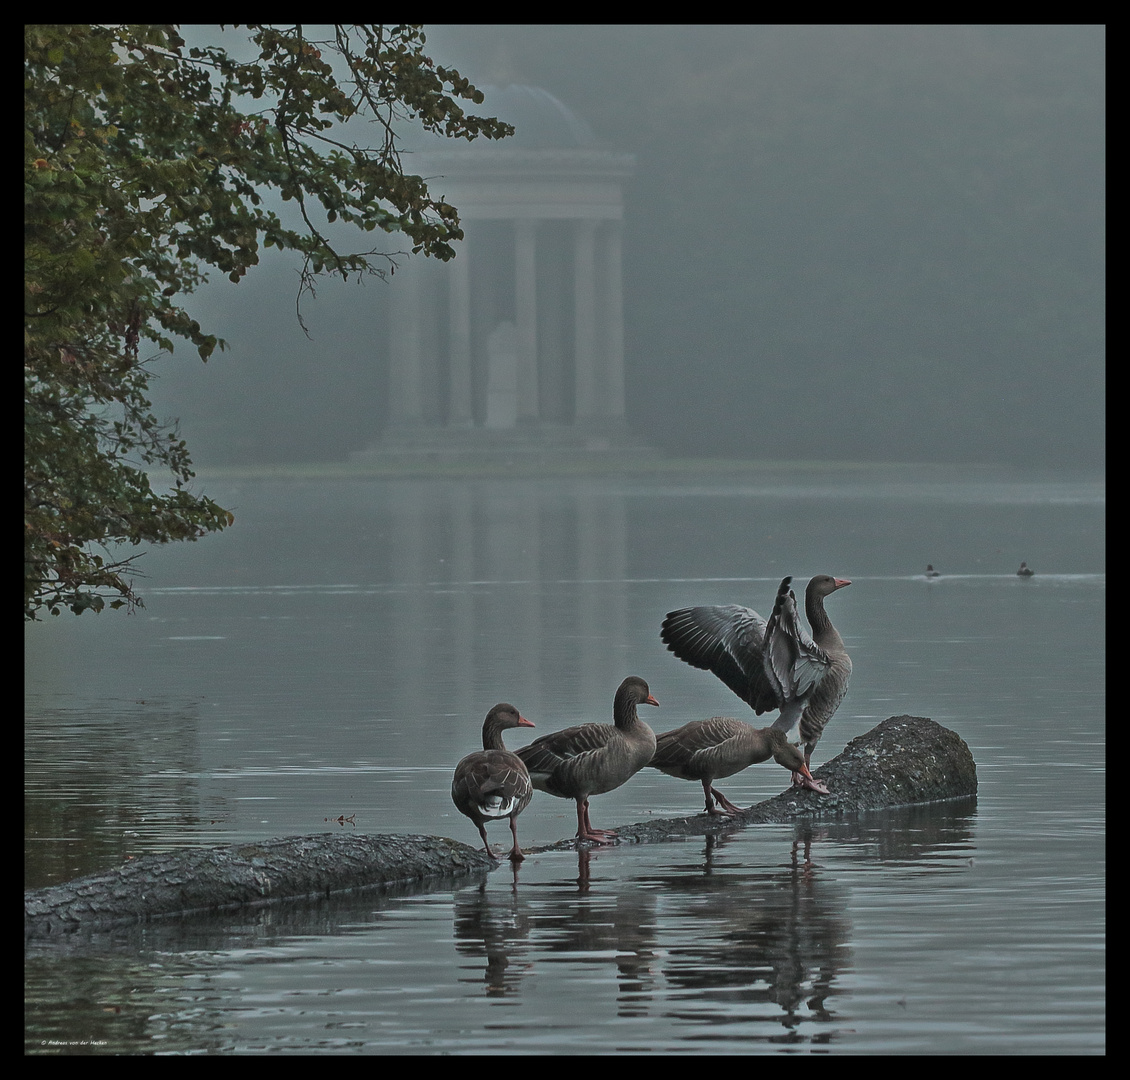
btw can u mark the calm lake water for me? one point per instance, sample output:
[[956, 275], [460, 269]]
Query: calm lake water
[[324, 664]]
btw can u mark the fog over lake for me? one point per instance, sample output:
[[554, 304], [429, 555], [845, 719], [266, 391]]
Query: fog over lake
[[874, 243]]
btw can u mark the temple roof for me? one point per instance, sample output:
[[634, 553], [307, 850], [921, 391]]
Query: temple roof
[[541, 122]]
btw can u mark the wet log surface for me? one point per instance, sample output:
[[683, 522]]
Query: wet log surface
[[904, 760], [227, 878]]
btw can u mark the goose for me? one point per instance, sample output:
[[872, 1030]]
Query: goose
[[1025, 570], [930, 571], [591, 759], [775, 664], [707, 750], [492, 783]]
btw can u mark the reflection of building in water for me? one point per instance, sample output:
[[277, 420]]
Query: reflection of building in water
[[519, 340], [540, 565]]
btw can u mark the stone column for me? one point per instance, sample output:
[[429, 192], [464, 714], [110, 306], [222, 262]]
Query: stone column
[[584, 315], [431, 329], [406, 403], [526, 317], [459, 406], [613, 322], [502, 376]]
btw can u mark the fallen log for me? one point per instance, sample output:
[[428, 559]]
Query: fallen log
[[902, 761], [186, 881]]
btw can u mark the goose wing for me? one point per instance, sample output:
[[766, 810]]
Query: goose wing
[[692, 738], [726, 639], [494, 783], [794, 663]]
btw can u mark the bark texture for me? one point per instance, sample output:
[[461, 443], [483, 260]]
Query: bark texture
[[214, 879]]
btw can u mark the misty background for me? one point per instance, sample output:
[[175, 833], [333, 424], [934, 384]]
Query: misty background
[[860, 243]]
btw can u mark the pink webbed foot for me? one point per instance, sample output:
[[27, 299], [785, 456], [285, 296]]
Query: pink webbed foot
[[807, 780], [585, 831], [725, 807]]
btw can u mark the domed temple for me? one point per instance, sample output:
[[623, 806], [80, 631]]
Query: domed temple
[[517, 344]]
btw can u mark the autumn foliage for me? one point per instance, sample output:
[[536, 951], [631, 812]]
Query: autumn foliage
[[146, 165]]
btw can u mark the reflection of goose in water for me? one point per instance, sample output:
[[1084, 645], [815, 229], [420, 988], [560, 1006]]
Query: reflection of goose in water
[[591, 759], [494, 928], [774, 664], [761, 937], [606, 917], [505, 930]]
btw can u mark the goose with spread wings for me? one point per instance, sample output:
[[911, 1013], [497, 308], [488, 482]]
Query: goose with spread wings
[[775, 663]]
